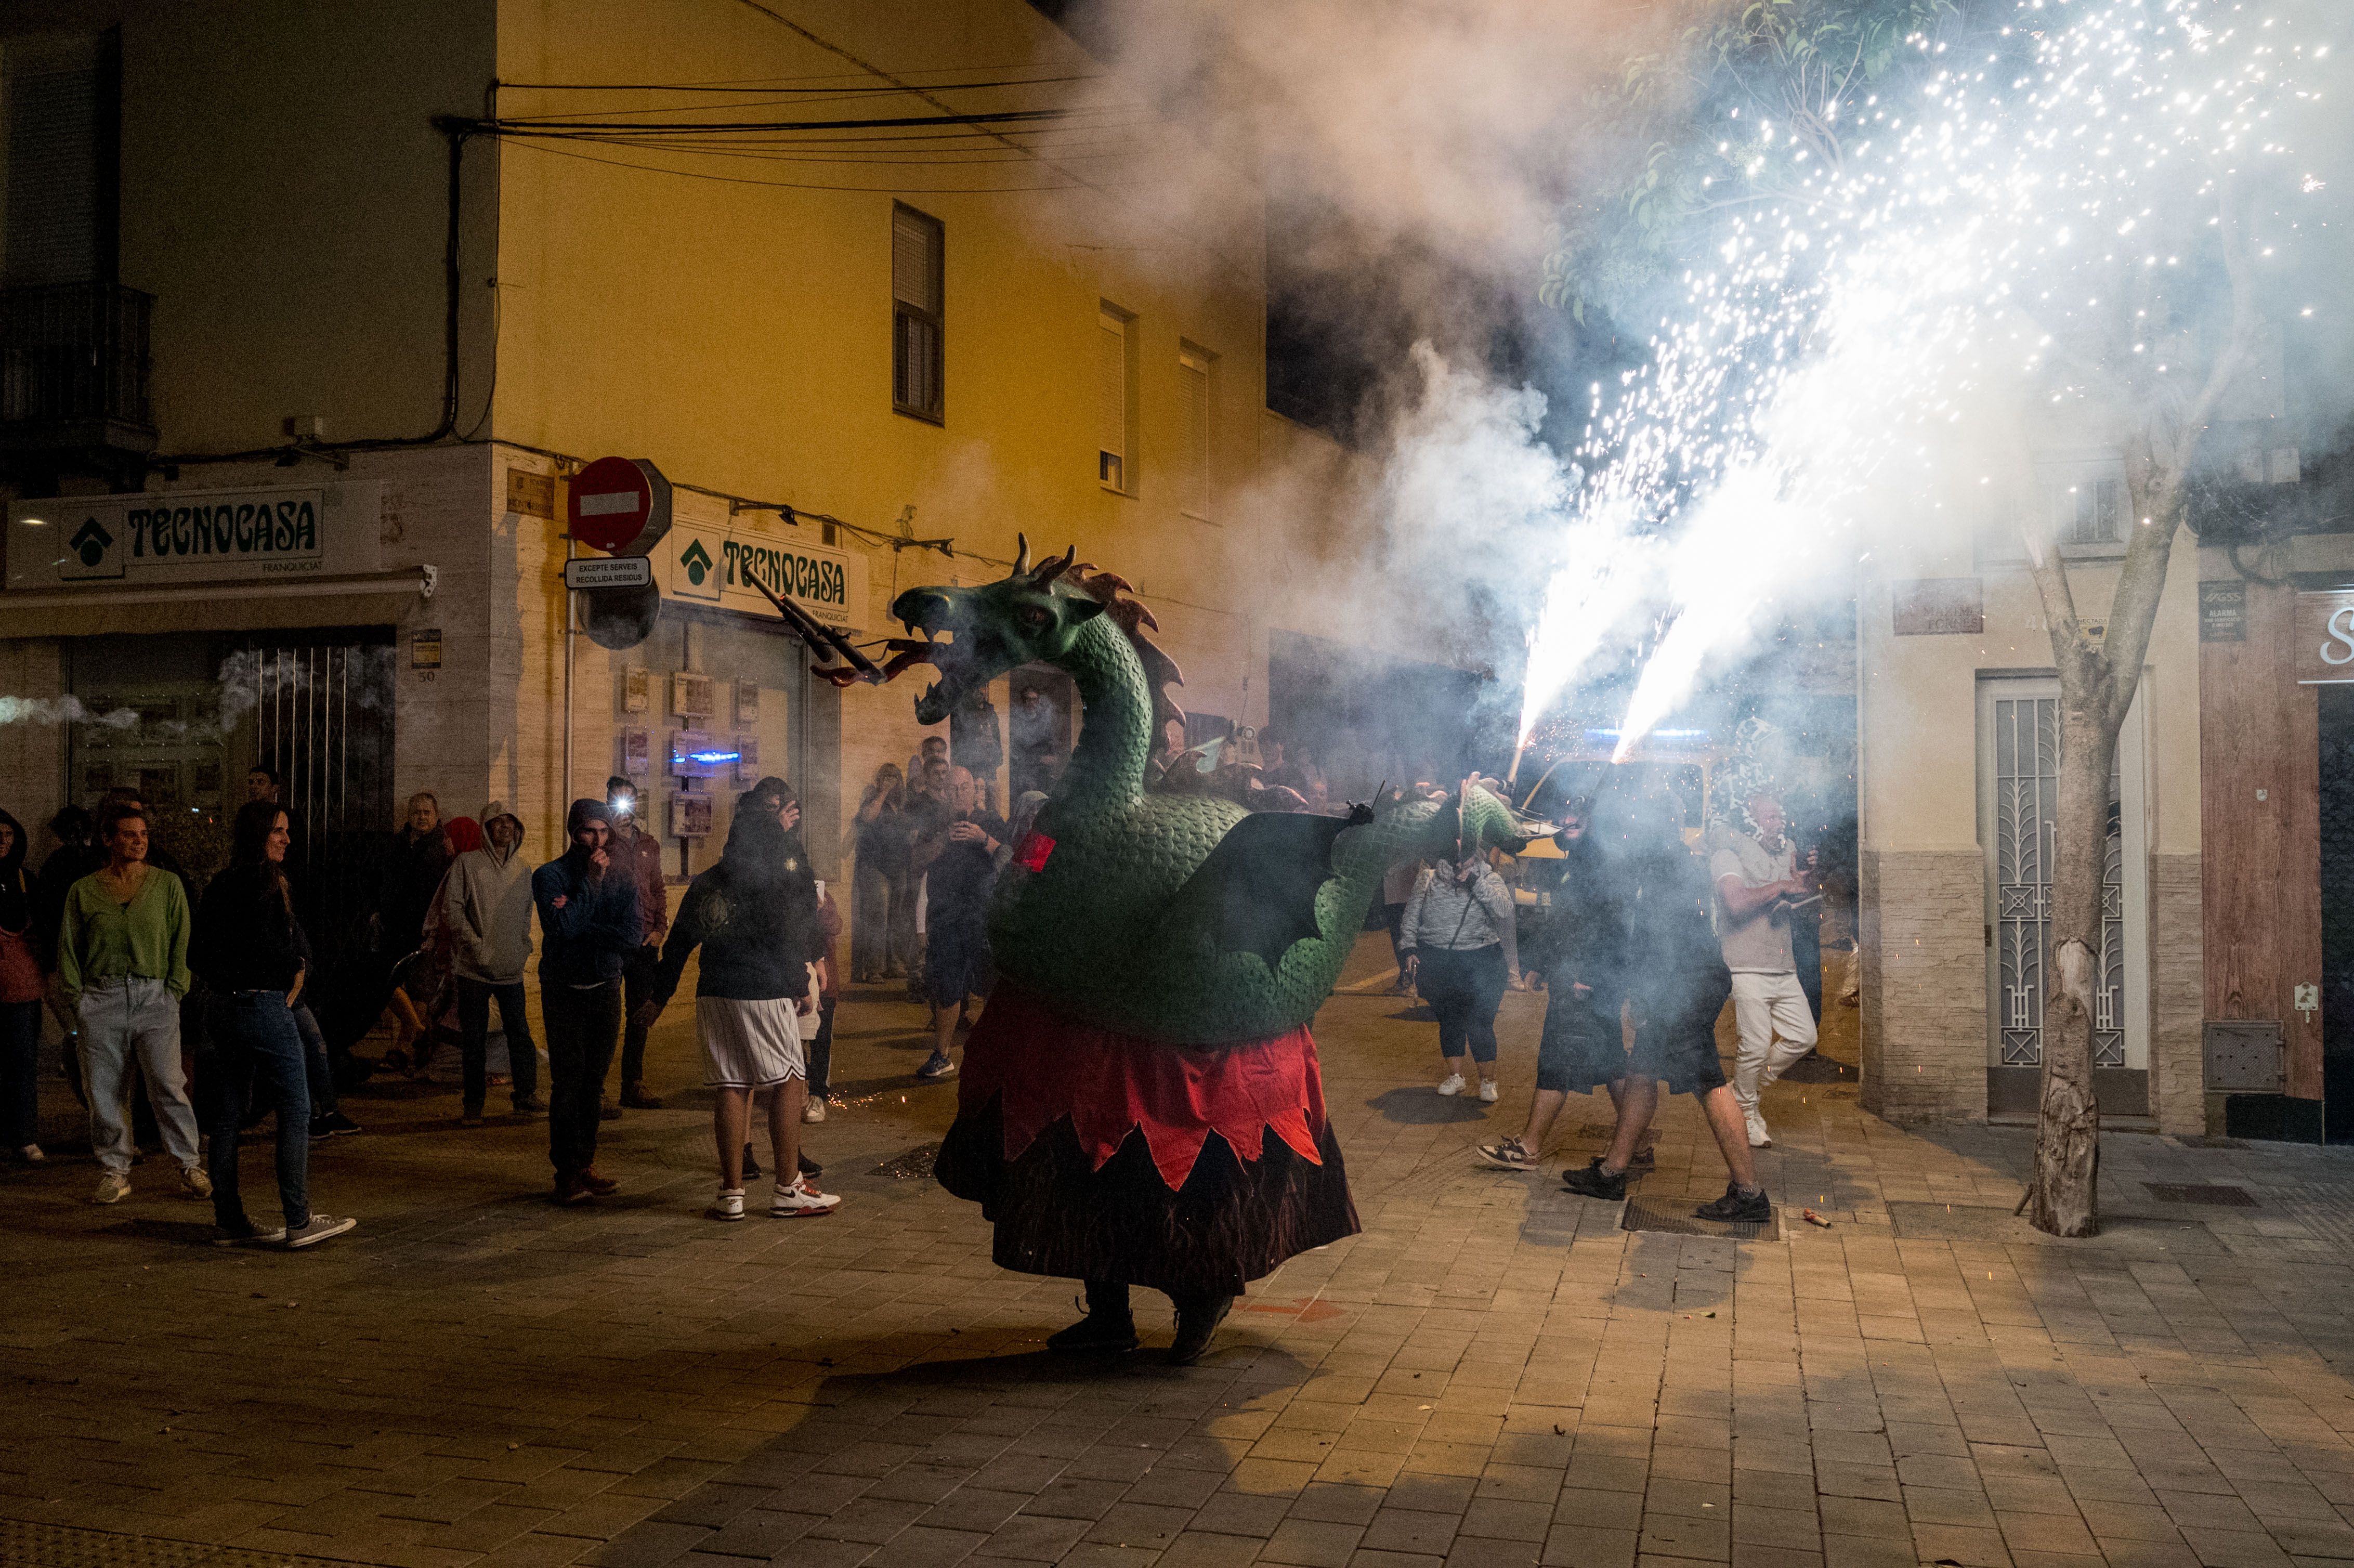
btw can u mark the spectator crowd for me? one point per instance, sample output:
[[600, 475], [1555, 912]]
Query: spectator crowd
[[191, 1020]]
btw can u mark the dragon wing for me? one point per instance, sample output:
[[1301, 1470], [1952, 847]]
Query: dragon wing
[[1256, 892]]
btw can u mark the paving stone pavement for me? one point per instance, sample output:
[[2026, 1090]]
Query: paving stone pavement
[[1492, 1373]]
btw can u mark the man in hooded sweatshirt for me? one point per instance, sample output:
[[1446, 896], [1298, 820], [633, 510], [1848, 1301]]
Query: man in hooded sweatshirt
[[487, 904], [588, 926]]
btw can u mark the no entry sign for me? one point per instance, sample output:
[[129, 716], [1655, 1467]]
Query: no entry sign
[[618, 505]]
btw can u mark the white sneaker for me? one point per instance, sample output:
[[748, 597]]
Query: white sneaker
[[728, 1205], [194, 1182], [113, 1188], [814, 1110], [802, 1201], [316, 1229], [1487, 1091], [1451, 1084], [1758, 1137], [31, 1154]]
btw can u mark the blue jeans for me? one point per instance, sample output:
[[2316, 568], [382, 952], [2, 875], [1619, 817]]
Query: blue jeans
[[315, 1071], [20, 1073], [260, 1051]]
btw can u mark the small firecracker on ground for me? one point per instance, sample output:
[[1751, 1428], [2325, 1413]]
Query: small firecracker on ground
[[1813, 1218]]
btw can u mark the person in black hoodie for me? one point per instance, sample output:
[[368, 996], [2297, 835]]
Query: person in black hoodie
[[590, 924], [1581, 954], [251, 953], [755, 915]]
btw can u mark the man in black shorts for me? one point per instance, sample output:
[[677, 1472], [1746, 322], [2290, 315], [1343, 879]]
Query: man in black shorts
[[1684, 986]]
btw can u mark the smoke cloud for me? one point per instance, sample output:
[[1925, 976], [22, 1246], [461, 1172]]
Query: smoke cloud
[[2022, 255]]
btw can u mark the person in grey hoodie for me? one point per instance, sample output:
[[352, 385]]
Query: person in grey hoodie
[[486, 901]]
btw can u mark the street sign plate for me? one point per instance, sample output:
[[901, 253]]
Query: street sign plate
[[609, 572], [618, 505]]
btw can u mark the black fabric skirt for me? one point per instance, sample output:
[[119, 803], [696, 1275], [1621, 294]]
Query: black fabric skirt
[[1232, 1222]]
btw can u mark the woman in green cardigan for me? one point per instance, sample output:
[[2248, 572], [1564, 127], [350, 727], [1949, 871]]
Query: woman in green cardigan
[[123, 963]]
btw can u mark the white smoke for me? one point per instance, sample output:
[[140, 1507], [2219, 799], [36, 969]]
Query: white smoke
[[63, 710]]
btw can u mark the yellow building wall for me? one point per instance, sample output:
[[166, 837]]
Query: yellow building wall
[[739, 334]]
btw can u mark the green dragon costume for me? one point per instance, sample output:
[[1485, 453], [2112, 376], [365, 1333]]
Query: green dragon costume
[[1140, 1102]]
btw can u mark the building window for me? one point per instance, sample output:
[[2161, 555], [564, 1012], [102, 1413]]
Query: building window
[[2089, 511], [917, 245], [1116, 455], [56, 211], [1194, 395]]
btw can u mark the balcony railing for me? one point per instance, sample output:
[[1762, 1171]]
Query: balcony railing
[[74, 354]]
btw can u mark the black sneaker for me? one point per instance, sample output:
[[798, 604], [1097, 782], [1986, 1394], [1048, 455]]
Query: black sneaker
[[1593, 1182], [1737, 1208], [319, 1128], [810, 1167], [337, 1124], [1196, 1321], [936, 1067]]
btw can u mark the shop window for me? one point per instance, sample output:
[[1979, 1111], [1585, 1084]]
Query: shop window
[[918, 246]]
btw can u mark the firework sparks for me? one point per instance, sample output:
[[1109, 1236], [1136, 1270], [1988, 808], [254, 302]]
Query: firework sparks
[[2013, 236]]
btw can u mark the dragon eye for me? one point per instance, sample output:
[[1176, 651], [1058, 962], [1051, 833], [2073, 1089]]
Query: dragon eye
[[1036, 618]]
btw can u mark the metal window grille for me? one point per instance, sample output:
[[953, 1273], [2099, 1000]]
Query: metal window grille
[[918, 246], [2027, 799]]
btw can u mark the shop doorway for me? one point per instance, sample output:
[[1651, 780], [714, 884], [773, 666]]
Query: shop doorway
[[180, 718], [2337, 912], [2019, 792]]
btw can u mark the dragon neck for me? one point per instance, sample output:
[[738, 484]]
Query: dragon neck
[[1107, 769]]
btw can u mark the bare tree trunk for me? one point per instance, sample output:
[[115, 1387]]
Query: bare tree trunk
[[2066, 1193]]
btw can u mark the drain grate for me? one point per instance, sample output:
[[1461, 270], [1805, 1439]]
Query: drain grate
[[1952, 1222], [1673, 1217], [2221, 1197], [911, 1166]]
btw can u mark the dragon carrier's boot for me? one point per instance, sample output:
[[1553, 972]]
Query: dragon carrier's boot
[[1107, 1328], [1198, 1317]]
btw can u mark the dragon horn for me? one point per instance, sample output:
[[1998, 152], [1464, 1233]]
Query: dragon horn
[[1022, 556], [1054, 567]]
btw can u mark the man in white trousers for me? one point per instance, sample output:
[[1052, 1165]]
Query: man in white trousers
[[1756, 881]]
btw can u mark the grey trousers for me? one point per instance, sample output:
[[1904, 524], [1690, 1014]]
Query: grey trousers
[[122, 1019]]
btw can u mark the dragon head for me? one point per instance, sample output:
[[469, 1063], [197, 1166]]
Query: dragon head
[[1031, 616]]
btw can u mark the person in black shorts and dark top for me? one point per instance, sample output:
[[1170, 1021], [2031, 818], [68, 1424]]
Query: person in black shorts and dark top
[[1581, 955], [958, 858], [1679, 987]]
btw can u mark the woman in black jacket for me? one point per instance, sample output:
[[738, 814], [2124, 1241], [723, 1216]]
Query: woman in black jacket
[[251, 952], [755, 916]]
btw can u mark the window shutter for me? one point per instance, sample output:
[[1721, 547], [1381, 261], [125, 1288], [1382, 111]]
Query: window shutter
[[1111, 401], [915, 262], [917, 242], [49, 231], [1193, 388]]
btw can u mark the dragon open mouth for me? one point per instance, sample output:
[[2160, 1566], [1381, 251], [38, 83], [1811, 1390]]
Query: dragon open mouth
[[958, 677]]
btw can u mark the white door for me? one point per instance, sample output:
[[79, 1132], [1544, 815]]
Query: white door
[[2019, 792]]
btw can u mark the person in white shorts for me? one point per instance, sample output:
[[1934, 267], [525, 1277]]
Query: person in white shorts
[[1757, 879], [755, 916]]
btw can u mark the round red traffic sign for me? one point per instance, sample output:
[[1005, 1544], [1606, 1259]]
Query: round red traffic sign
[[611, 499]]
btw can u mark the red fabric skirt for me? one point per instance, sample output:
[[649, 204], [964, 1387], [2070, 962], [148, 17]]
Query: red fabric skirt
[[1041, 1065], [1107, 1157]]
